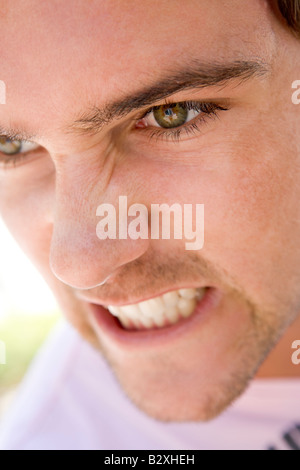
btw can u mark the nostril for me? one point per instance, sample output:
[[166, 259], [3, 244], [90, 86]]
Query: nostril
[[79, 272], [85, 262], [106, 281]]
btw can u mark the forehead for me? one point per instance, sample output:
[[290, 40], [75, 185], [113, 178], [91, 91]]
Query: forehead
[[60, 55]]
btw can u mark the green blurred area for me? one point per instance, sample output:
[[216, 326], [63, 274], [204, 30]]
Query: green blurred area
[[22, 335]]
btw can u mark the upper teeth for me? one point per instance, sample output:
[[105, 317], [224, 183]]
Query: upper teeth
[[160, 311]]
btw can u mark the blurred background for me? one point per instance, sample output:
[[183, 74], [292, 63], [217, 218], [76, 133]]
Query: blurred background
[[27, 313]]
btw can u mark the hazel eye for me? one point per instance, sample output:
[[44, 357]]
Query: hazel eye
[[170, 116], [13, 147], [172, 121]]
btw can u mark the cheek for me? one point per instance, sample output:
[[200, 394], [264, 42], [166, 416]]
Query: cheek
[[252, 225], [252, 214]]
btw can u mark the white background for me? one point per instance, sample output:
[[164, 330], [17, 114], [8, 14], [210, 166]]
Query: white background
[[22, 290]]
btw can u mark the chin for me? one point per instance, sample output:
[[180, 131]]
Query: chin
[[206, 407], [179, 400]]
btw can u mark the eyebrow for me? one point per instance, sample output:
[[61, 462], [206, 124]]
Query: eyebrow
[[194, 76]]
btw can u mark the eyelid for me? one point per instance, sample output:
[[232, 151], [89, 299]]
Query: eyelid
[[27, 152], [210, 110], [222, 103]]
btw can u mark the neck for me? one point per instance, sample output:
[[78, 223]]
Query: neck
[[279, 363]]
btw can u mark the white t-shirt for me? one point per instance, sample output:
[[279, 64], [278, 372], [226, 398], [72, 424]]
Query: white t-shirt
[[71, 400]]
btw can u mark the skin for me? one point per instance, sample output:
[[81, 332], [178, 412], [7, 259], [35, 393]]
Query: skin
[[244, 166]]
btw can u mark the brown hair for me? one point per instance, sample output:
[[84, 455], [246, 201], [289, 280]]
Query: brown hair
[[290, 10]]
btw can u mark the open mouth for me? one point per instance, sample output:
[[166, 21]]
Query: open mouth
[[157, 320], [159, 312]]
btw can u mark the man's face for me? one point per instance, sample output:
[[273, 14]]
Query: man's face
[[237, 152]]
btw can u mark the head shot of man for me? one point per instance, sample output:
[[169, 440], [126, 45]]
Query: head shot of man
[[116, 106]]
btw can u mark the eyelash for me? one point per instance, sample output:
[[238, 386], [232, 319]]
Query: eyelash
[[14, 159], [207, 110]]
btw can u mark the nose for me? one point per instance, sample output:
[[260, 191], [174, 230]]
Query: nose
[[78, 257]]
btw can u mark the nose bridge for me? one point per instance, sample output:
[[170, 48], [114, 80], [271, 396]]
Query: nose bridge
[[76, 192], [77, 256]]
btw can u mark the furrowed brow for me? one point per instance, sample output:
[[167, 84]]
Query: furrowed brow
[[194, 76]]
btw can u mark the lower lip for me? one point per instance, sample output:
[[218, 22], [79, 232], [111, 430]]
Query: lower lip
[[108, 326]]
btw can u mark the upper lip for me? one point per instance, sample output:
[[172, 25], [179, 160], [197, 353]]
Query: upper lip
[[132, 301]]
